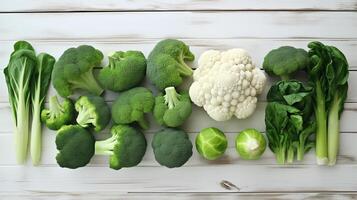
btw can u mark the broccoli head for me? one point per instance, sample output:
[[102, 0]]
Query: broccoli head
[[166, 63], [285, 60], [125, 70], [131, 105], [58, 114], [75, 145], [172, 147], [126, 147], [172, 109], [74, 70], [92, 112]]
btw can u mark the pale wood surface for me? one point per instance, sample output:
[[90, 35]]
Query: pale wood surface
[[222, 25]]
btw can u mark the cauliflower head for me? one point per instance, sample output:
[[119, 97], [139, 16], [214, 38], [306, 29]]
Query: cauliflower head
[[227, 83]]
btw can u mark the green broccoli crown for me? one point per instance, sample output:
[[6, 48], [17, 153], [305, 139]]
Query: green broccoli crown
[[172, 147], [131, 105], [74, 70], [75, 145], [126, 147], [58, 114], [172, 109], [93, 111], [125, 70], [166, 63], [285, 60]]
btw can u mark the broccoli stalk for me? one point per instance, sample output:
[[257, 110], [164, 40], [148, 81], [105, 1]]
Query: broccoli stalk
[[55, 107], [183, 68], [86, 81], [84, 117], [171, 97], [106, 147], [321, 132]]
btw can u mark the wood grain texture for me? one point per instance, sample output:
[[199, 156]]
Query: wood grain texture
[[200, 25], [160, 5]]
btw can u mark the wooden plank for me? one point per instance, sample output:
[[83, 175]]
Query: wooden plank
[[248, 178], [347, 154], [112, 25], [177, 196], [125, 5]]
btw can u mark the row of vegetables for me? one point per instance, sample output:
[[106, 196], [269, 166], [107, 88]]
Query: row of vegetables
[[298, 115]]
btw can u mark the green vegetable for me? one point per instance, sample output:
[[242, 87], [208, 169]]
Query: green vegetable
[[328, 73], [74, 70], [172, 147], [41, 82], [250, 144], [166, 63], [58, 114], [125, 70], [211, 143], [19, 74], [92, 112], [172, 109], [131, 106], [75, 145], [126, 147], [284, 61]]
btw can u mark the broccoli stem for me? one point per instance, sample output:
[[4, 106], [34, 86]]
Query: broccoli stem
[[84, 117], [36, 128], [171, 97], [87, 82], [55, 107], [321, 133], [183, 68], [333, 130], [106, 147], [285, 77]]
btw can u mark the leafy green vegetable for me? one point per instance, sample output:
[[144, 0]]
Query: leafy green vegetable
[[126, 147], [131, 106], [19, 74], [41, 82], [328, 73], [250, 144], [166, 63], [75, 145], [172, 109], [58, 114], [74, 70], [284, 61], [288, 120], [93, 111], [125, 70], [172, 147], [211, 143]]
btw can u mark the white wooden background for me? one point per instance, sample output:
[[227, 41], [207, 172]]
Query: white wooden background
[[109, 25]]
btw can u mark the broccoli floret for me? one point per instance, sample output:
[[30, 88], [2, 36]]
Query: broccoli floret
[[74, 70], [172, 109], [126, 147], [92, 112], [285, 60], [75, 145], [166, 63], [131, 105], [58, 114], [172, 147], [125, 70]]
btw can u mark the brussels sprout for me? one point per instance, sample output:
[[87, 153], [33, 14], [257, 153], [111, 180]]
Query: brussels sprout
[[250, 144], [211, 143]]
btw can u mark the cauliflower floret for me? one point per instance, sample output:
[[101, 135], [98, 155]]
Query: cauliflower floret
[[226, 83]]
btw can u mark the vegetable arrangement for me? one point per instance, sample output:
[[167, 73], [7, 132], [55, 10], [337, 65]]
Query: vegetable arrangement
[[225, 84]]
